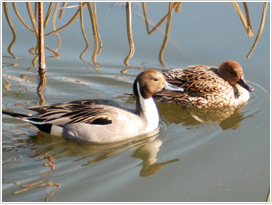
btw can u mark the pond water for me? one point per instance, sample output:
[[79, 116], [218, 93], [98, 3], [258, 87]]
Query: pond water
[[224, 157]]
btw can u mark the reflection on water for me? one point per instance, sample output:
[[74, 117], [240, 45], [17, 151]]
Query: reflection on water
[[148, 153], [226, 117], [218, 149], [42, 84], [146, 148]]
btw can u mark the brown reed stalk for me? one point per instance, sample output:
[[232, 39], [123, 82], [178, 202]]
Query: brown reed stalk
[[129, 33], [98, 33], [178, 7], [175, 6], [166, 36], [249, 28], [246, 23], [62, 10], [68, 24], [32, 17], [83, 33], [20, 18], [95, 32], [12, 29], [260, 30], [48, 14], [57, 55], [42, 65]]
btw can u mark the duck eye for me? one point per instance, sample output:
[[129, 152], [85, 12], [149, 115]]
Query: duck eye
[[233, 73]]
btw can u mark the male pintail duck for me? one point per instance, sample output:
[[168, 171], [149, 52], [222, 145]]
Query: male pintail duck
[[102, 121], [207, 86]]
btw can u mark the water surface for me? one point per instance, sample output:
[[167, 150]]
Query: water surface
[[197, 155]]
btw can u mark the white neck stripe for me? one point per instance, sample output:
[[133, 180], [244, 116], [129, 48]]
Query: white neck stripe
[[150, 111]]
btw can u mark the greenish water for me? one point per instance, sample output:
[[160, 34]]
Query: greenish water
[[226, 158]]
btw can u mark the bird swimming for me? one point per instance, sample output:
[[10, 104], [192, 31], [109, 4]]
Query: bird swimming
[[101, 120], [207, 86]]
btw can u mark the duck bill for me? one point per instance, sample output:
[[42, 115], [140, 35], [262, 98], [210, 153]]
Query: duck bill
[[170, 87], [245, 85]]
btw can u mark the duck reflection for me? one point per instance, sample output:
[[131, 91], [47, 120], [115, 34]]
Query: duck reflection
[[146, 148], [226, 117], [148, 153]]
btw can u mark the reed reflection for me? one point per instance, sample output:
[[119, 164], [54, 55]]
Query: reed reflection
[[52, 148], [42, 84], [44, 180]]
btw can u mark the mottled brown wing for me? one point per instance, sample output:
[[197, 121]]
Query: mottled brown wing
[[197, 79]]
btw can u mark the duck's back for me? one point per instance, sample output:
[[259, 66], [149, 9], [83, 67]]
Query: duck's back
[[202, 88]]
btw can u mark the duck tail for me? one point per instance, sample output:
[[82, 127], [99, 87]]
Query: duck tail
[[16, 115], [43, 126], [27, 118]]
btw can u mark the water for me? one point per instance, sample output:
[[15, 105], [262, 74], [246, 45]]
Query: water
[[196, 155]]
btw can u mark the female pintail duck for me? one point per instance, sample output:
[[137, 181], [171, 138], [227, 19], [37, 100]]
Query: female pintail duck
[[102, 121], [207, 86]]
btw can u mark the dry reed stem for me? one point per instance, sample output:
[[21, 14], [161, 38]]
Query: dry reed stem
[[20, 18], [42, 65], [260, 30], [12, 30], [32, 17], [68, 24], [98, 33], [57, 55], [177, 10], [245, 23], [36, 10], [84, 34], [48, 14], [95, 32], [175, 5], [166, 36], [62, 10], [249, 29], [129, 34]]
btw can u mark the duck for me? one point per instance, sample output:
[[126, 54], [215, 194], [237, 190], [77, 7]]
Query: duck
[[102, 121], [207, 86]]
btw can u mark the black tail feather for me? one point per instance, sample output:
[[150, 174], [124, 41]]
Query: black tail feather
[[43, 127], [15, 114]]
